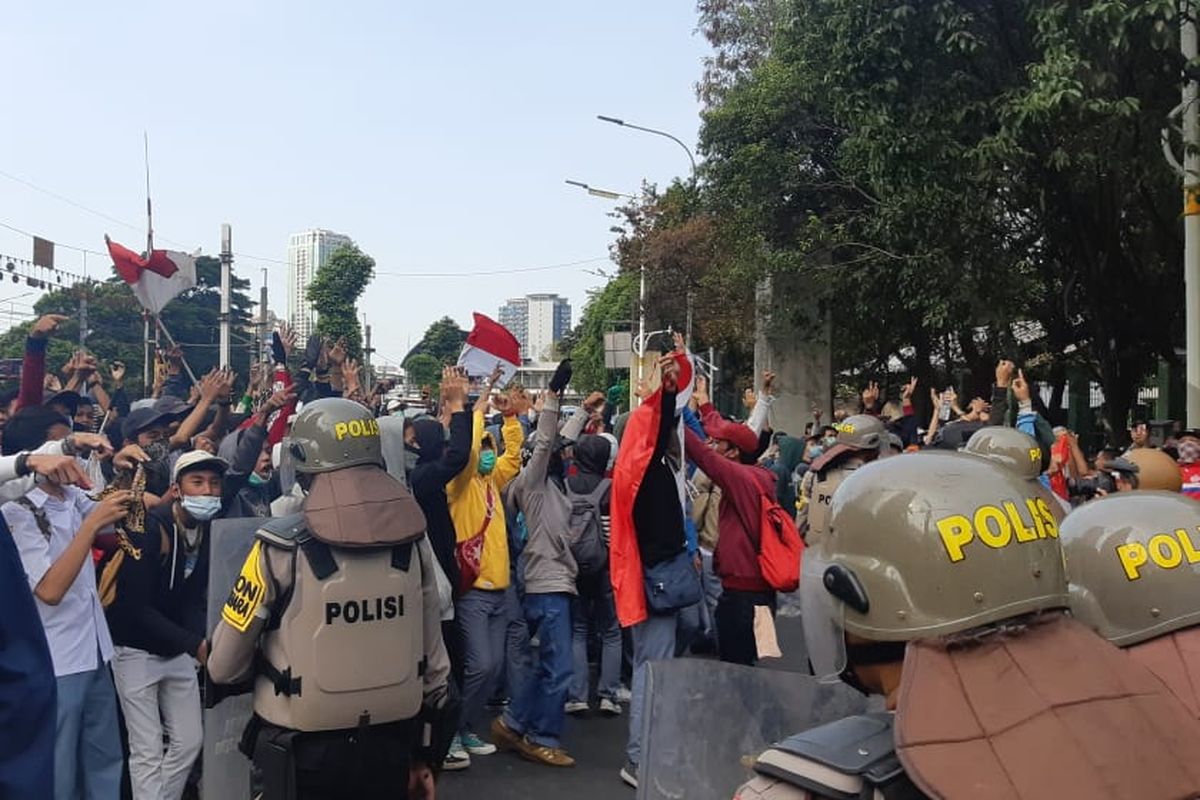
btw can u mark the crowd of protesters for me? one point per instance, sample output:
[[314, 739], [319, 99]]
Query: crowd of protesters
[[560, 540]]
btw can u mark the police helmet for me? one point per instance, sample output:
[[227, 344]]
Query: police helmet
[[332, 434], [861, 432], [1133, 561], [1155, 470], [925, 545], [1015, 449]]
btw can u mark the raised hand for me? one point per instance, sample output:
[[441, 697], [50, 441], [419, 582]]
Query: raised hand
[[870, 395], [337, 354], [1004, 373], [908, 390], [669, 369], [1020, 387], [111, 509], [502, 403], [47, 325], [768, 386], [520, 400], [118, 371]]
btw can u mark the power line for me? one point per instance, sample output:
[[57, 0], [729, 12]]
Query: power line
[[265, 259]]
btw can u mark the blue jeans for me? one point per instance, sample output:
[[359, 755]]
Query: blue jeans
[[593, 610], [87, 744], [518, 661], [537, 711], [653, 640], [481, 622]]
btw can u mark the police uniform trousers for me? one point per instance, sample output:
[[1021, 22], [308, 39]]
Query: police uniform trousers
[[365, 763]]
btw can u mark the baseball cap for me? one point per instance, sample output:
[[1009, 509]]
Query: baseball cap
[[141, 418], [66, 398], [737, 434], [171, 406], [198, 459]]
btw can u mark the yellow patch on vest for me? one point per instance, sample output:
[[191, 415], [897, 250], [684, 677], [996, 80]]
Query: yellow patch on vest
[[247, 593], [1166, 551]]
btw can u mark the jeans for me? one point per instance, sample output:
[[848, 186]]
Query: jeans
[[653, 640], [593, 610], [735, 625], [517, 666], [159, 695], [87, 743], [481, 619], [537, 711], [712, 593]]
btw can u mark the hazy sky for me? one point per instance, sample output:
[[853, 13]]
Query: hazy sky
[[437, 135]]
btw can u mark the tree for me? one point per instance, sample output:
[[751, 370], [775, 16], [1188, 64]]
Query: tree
[[116, 328], [334, 293], [422, 370], [443, 340], [614, 302]]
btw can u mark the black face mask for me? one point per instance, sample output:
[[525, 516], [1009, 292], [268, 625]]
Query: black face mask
[[158, 451]]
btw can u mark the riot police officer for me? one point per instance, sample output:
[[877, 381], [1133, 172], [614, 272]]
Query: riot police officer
[[1133, 561], [860, 440], [335, 615], [940, 585]]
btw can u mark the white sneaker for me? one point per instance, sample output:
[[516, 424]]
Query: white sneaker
[[576, 707], [476, 746], [608, 708], [457, 758], [624, 695]]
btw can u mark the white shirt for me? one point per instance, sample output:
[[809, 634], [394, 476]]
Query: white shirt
[[75, 628]]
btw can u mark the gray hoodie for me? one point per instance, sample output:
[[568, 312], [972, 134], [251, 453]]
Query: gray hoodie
[[547, 561]]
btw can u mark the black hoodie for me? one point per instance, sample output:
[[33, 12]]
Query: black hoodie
[[438, 464]]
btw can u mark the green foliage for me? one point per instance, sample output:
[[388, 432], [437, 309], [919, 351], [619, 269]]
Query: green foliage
[[423, 370], [334, 293], [613, 303], [934, 173], [443, 341], [115, 324]]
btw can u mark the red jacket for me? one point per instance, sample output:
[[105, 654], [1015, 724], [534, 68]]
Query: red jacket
[[736, 558]]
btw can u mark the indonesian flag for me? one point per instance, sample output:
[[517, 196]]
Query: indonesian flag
[[156, 280], [490, 345]]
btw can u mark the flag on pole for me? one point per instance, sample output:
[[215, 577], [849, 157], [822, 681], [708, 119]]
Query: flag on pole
[[489, 345], [156, 280]]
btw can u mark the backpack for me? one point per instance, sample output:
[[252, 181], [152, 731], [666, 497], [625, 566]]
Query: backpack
[[780, 547], [585, 533]]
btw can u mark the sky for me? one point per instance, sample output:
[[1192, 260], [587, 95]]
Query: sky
[[437, 135]]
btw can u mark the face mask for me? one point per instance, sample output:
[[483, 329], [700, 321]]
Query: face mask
[[815, 452], [487, 462], [256, 479], [158, 451], [201, 507], [829, 441]]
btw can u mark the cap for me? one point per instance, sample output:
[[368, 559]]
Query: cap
[[198, 459], [737, 434], [140, 419], [67, 398], [171, 406]]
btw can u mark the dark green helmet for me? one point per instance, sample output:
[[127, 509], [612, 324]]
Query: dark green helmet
[[332, 434], [1014, 449]]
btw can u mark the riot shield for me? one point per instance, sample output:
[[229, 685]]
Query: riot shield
[[705, 722], [226, 770]]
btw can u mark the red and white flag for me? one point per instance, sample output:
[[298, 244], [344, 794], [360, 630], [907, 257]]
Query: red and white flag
[[156, 280], [488, 346]]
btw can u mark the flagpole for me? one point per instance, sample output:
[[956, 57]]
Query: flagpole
[[171, 339], [149, 215], [146, 386]]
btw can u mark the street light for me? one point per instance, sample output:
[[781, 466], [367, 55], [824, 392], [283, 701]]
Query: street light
[[674, 139], [692, 159], [602, 193]]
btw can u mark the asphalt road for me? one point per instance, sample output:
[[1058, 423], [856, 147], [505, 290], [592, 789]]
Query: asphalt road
[[596, 743]]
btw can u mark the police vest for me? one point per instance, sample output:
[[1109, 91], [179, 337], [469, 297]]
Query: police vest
[[820, 497], [345, 644]]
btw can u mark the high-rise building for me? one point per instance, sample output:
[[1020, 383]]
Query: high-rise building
[[539, 321], [307, 252]]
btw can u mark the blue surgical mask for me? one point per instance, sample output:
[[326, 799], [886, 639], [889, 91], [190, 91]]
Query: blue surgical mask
[[201, 507], [256, 480], [815, 452], [487, 462]]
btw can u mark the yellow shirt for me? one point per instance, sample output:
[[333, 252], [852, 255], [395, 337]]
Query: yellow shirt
[[471, 495]]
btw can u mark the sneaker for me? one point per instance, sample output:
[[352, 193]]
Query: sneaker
[[540, 754], [457, 758], [629, 774], [476, 746], [576, 707], [624, 695], [608, 708], [505, 737]]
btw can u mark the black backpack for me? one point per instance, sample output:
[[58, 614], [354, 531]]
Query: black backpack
[[585, 531]]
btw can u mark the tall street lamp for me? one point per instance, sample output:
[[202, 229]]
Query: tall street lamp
[[692, 160]]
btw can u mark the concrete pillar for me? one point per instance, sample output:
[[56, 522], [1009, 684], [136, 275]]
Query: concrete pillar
[[794, 343]]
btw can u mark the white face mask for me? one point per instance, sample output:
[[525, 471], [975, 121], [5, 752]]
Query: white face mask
[[291, 503], [201, 507]]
